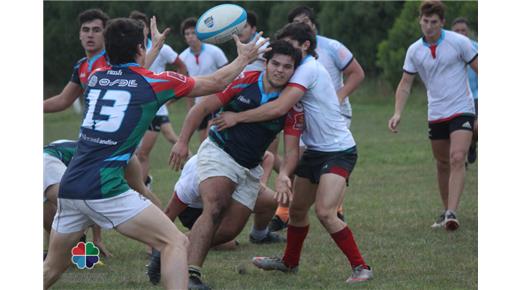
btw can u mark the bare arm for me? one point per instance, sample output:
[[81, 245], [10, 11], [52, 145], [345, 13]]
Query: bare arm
[[64, 100], [474, 65], [181, 66], [401, 96], [216, 82], [269, 111], [290, 160], [169, 133], [353, 75], [134, 178], [179, 151]]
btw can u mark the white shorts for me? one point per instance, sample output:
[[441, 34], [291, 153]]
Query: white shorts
[[213, 161], [75, 215], [53, 170]]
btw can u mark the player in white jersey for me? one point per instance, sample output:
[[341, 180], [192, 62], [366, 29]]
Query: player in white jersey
[[248, 33], [161, 122], [201, 59], [441, 58], [325, 167]]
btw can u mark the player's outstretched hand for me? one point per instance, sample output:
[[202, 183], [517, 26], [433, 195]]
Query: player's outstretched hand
[[158, 38], [178, 155], [252, 49], [225, 120], [283, 186], [393, 123]]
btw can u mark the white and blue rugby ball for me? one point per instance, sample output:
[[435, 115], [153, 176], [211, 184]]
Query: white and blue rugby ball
[[218, 24]]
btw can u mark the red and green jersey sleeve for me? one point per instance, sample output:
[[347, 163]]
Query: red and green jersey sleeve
[[243, 81], [167, 85]]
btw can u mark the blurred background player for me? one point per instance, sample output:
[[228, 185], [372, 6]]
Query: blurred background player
[[461, 25], [248, 33], [201, 59], [186, 204], [161, 122], [441, 57]]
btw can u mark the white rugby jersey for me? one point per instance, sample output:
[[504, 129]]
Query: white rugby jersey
[[335, 57], [166, 56], [187, 187], [209, 60], [325, 128], [443, 70], [259, 62]]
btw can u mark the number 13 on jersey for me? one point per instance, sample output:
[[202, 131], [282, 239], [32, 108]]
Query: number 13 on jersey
[[106, 110]]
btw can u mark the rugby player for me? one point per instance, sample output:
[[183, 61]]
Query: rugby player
[[441, 58]]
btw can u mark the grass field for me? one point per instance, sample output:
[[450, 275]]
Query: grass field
[[390, 204]]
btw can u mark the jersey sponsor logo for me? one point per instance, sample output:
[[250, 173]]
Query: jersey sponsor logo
[[209, 22], [118, 82], [299, 123], [115, 72], [93, 81], [174, 75], [82, 75], [244, 100], [298, 107]]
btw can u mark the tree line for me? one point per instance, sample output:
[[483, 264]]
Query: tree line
[[377, 33]]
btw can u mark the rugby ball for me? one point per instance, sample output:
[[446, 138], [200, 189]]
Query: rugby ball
[[218, 24]]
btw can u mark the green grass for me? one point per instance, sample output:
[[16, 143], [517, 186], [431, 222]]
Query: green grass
[[390, 204]]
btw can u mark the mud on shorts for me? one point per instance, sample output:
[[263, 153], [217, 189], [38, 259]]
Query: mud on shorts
[[313, 164]]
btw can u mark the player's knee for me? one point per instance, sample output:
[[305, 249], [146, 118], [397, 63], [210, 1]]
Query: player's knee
[[325, 215], [178, 240], [443, 163], [457, 158]]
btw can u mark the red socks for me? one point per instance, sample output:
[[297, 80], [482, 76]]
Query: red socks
[[345, 241], [293, 249]]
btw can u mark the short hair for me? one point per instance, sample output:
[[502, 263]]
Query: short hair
[[285, 48], [251, 18], [300, 32], [188, 23], [431, 7], [122, 36], [138, 15], [306, 10], [460, 20], [93, 14]]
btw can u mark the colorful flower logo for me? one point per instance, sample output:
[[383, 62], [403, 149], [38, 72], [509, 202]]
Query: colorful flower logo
[[85, 255]]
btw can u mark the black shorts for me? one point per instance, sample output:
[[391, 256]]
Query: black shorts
[[157, 123], [315, 163], [476, 108], [189, 216], [442, 130]]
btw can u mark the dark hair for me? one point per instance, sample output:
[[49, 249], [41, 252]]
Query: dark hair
[[432, 7], [460, 20], [285, 48], [122, 36], [188, 23], [251, 18], [307, 11], [92, 14], [300, 32], [138, 15]]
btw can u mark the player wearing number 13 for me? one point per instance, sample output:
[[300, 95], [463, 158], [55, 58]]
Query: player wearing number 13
[[122, 100]]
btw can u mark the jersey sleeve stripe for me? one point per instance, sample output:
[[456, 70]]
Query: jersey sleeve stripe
[[348, 63], [304, 89], [408, 72], [472, 59]]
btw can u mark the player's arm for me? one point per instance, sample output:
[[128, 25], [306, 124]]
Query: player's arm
[[272, 110], [290, 160], [180, 151], [63, 100], [353, 75], [474, 65], [206, 85], [134, 178], [181, 66], [401, 96]]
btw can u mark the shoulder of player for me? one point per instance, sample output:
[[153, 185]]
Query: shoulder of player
[[327, 42], [208, 47], [80, 61]]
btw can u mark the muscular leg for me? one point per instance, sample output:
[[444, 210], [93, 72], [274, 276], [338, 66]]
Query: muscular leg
[[441, 152], [152, 227], [49, 207], [58, 256], [144, 149], [330, 191], [216, 197], [234, 220], [264, 208], [459, 145]]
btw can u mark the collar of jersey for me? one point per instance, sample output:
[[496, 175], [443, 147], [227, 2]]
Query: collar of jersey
[[93, 59], [425, 43], [201, 49], [129, 64], [266, 97]]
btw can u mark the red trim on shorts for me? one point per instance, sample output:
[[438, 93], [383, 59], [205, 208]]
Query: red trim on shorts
[[339, 171], [445, 119]]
